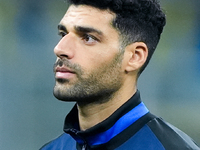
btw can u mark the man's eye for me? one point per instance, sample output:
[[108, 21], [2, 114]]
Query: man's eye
[[62, 34], [89, 39]]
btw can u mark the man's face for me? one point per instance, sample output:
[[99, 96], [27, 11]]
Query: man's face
[[89, 61]]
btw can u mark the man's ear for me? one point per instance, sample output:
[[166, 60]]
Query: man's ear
[[137, 55]]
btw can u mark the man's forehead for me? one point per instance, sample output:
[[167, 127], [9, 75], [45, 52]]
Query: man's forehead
[[81, 12], [88, 18]]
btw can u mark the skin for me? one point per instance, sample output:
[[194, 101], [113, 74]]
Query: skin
[[99, 77]]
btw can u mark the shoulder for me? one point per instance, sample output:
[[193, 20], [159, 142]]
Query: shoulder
[[62, 142], [159, 135], [170, 136]]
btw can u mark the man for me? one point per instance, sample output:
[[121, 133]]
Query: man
[[105, 46]]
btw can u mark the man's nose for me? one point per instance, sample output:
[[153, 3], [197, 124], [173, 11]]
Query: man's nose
[[65, 47]]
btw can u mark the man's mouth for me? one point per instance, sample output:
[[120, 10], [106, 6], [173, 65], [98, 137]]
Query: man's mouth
[[63, 73]]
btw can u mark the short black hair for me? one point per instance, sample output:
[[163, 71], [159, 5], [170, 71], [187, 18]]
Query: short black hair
[[136, 21]]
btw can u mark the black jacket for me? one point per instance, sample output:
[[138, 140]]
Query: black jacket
[[131, 127]]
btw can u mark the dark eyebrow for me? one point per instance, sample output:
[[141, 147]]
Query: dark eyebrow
[[87, 30], [80, 29]]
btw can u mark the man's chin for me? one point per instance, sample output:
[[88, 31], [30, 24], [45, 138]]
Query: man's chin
[[60, 94], [64, 98], [82, 98]]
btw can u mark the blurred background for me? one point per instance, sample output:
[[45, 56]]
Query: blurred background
[[29, 114]]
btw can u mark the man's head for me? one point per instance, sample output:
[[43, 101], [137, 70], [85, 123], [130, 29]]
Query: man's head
[[104, 46], [136, 21]]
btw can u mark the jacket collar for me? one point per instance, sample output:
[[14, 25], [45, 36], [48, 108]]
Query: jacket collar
[[103, 132]]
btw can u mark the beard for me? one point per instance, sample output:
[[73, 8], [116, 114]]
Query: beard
[[96, 86]]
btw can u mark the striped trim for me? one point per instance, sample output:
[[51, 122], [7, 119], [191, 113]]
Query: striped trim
[[124, 122]]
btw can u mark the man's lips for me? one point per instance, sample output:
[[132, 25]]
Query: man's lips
[[64, 73]]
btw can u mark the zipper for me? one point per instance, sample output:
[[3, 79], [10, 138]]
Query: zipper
[[84, 147], [75, 132]]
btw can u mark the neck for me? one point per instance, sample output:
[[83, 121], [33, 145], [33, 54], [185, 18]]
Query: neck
[[94, 113]]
